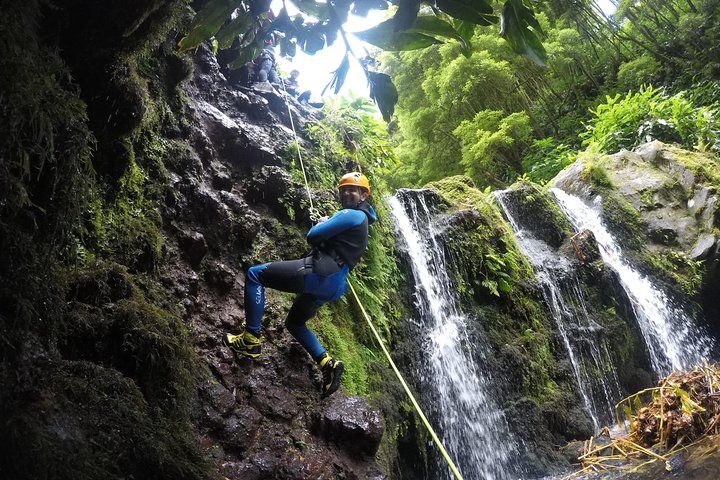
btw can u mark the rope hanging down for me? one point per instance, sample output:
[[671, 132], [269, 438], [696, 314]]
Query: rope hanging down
[[314, 215], [435, 438]]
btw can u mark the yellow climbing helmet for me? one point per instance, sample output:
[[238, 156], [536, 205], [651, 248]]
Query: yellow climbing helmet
[[355, 178]]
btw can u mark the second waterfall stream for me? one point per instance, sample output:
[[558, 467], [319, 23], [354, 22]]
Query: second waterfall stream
[[672, 338]]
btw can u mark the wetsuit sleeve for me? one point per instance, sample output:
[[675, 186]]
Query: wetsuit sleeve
[[341, 221]]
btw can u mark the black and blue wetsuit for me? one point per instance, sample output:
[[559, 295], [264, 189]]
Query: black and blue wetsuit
[[338, 244]]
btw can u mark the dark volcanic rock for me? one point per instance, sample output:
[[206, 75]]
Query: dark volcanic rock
[[542, 216], [194, 247], [275, 402], [585, 247], [352, 424], [240, 429], [220, 276]]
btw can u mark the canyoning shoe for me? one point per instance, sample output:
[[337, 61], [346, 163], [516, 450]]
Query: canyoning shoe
[[332, 370], [245, 344]]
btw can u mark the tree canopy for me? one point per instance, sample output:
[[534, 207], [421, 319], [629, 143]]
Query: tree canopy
[[245, 26], [494, 115]]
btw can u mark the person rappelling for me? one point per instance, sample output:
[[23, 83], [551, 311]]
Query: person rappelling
[[337, 243]]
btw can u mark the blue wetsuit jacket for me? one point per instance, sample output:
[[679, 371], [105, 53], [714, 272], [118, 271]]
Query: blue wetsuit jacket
[[338, 244]]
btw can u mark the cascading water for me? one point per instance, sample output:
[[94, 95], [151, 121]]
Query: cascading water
[[472, 427], [588, 353], [673, 340]]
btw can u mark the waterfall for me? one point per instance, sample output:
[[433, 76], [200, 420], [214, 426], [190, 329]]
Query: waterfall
[[586, 349], [456, 390], [673, 340]]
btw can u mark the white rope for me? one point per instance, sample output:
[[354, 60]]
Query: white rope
[[314, 214]]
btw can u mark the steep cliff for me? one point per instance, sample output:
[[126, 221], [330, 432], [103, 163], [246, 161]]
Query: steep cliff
[[137, 185]]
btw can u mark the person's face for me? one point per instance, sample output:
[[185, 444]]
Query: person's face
[[351, 195]]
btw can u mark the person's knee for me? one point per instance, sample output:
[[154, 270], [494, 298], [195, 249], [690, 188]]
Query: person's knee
[[253, 274], [302, 310], [292, 325]]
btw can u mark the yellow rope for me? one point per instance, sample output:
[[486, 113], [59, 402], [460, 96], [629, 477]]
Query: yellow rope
[[407, 389], [424, 419]]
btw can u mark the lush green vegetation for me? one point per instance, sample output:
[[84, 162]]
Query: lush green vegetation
[[246, 26], [610, 82]]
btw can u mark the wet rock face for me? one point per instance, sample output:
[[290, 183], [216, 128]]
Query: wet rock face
[[273, 187], [234, 205], [527, 202], [193, 244], [247, 128], [677, 208], [352, 424], [585, 247]]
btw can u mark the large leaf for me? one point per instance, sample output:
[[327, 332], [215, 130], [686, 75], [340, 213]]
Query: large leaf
[[515, 22], [432, 25], [340, 11], [207, 22], [406, 14], [258, 7], [383, 91], [362, 7], [466, 30], [385, 37], [246, 55], [478, 12], [229, 32], [311, 38], [283, 23], [339, 75], [312, 8], [252, 36]]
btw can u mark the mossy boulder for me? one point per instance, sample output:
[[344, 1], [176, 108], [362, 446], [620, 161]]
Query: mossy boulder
[[98, 421], [661, 202], [543, 218]]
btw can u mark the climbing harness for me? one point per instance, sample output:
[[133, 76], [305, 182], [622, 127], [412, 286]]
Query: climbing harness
[[314, 213], [314, 216], [434, 436]]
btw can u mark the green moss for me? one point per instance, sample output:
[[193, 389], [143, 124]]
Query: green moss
[[595, 174], [705, 167], [460, 192], [647, 197], [483, 248], [624, 220], [486, 264], [336, 330], [45, 172], [97, 420], [545, 218], [679, 269], [111, 321]]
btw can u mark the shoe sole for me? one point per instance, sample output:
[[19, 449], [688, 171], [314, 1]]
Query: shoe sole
[[335, 384]]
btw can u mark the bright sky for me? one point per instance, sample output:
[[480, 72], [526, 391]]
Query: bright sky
[[606, 6], [316, 70]]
